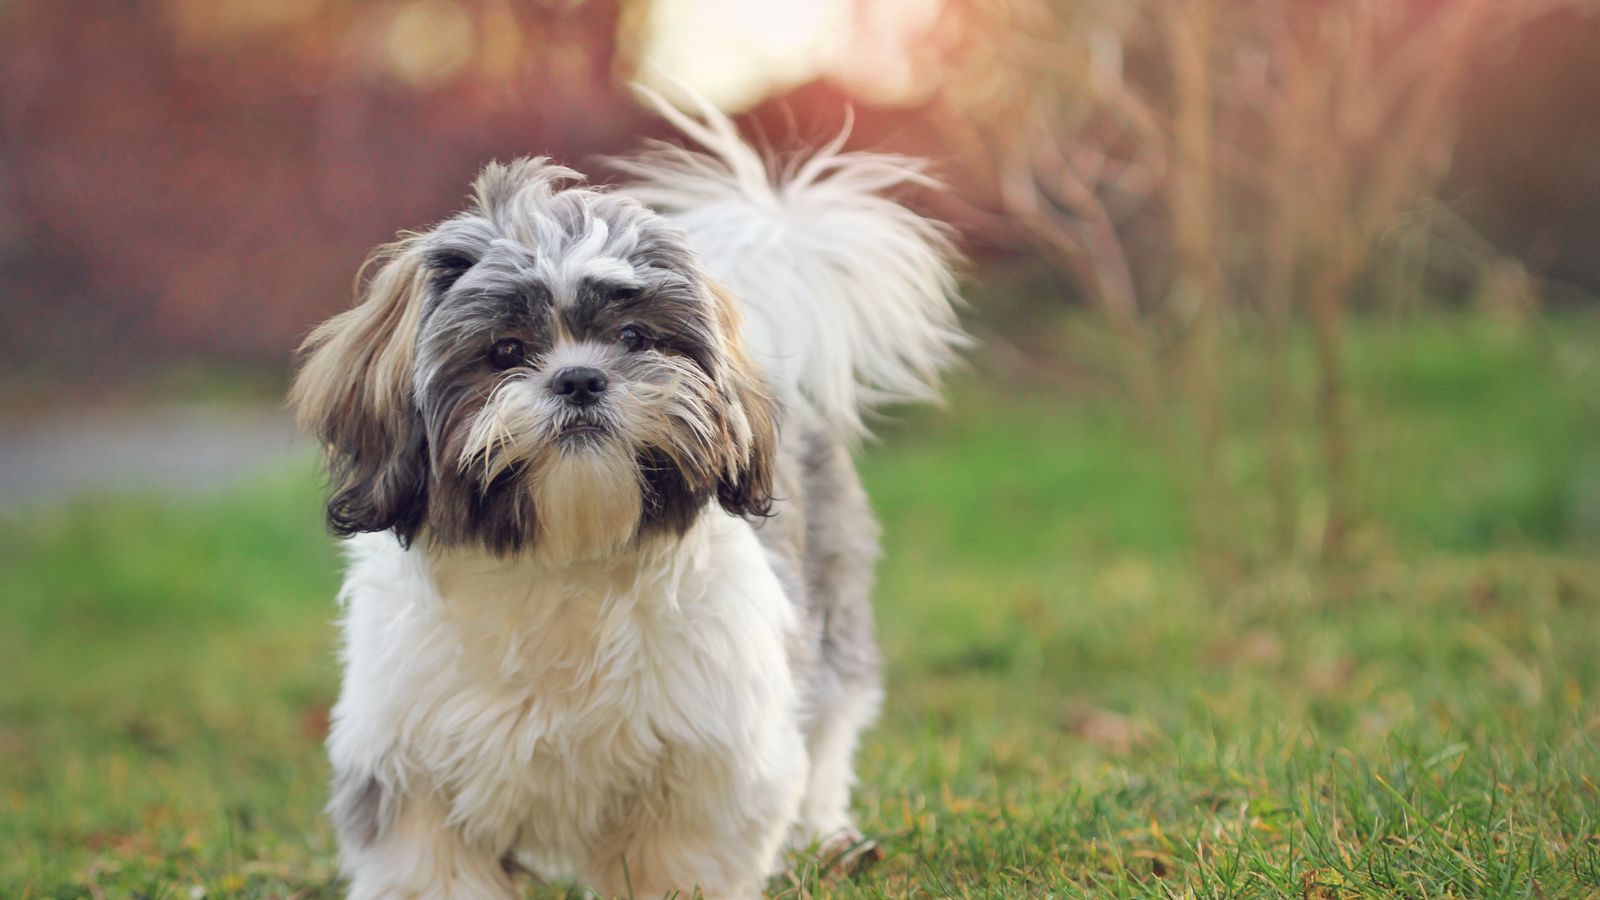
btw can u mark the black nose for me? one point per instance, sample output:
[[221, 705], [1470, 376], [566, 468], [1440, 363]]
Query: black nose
[[581, 385]]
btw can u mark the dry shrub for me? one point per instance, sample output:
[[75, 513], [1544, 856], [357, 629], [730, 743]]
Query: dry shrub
[[1203, 170]]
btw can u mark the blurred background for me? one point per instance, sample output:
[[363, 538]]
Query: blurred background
[[196, 181], [1285, 406]]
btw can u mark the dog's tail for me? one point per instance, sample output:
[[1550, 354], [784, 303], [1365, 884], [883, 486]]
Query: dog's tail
[[848, 296]]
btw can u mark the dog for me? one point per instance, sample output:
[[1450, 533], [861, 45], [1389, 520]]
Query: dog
[[606, 611]]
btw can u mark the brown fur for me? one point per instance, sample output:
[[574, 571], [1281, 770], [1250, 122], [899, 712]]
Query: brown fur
[[352, 392], [750, 428]]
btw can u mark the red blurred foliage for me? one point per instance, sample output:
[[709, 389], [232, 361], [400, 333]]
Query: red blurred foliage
[[176, 186], [1527, 171], [164, 199]]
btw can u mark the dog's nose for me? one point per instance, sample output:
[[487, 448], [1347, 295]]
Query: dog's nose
[[581, 385]]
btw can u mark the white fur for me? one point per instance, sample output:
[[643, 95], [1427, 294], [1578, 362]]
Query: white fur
[[848, 296], [639, 706], [602, 698]]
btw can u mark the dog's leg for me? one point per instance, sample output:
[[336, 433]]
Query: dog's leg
[[722, 834], [681, 860], [418, 856], [825, 812]]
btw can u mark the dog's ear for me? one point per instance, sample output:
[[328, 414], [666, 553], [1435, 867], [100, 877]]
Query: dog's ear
[[749, 423], [353, 391]]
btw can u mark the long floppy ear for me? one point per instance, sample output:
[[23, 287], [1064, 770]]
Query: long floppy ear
[[750, 421], [353, 391]]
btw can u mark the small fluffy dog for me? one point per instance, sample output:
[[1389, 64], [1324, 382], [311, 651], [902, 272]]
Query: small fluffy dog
[[606, 612]]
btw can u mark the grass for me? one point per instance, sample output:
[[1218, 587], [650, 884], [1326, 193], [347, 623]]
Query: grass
[[1075, 709]]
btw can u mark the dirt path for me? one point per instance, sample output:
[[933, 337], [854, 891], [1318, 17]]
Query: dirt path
[[167, 449]]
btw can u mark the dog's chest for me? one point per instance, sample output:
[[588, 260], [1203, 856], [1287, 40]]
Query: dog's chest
[[570, 707]]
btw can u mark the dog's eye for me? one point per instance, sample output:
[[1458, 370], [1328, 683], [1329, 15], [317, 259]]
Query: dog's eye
[[447, 269], [507, 354], [634, 338]]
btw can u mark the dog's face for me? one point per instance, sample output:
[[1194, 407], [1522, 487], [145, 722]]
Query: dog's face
[[549, 371]]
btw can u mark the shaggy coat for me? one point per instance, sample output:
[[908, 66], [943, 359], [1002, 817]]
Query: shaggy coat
[[606, 612]]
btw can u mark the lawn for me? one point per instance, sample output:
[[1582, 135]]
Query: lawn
[[1074, 708]]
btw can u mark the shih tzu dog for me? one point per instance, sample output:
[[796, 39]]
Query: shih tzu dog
[[606, 611]]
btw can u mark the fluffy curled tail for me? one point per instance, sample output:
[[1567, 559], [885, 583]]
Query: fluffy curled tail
[[848, 297]]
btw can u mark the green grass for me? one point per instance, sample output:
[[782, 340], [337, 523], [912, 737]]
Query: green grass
[[1074, 709]]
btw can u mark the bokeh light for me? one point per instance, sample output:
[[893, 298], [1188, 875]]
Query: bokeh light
[[737, 52]]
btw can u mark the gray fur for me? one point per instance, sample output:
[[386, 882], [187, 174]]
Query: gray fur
[[822, 541], [361, 808]]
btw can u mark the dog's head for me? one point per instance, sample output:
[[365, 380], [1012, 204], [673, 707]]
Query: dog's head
[[549, 369]]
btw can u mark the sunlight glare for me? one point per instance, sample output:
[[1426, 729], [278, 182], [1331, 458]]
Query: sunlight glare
[[737, 52]]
